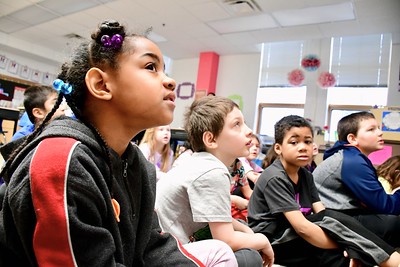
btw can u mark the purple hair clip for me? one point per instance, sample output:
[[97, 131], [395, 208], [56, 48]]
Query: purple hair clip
[[61, 87], [114, 42]]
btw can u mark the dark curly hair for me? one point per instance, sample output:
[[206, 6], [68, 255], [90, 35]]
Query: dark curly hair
[[286, 123], [89, 54]]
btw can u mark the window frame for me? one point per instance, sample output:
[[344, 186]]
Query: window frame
[[261, 106]]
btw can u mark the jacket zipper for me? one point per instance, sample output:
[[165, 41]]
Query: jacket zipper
[[125, 177]]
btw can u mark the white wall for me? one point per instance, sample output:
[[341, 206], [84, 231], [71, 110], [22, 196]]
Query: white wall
[[33, 56], [237, 75], [184, 70], [34, 63]]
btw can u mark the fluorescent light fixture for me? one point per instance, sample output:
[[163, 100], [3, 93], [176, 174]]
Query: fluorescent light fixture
[[156, 37], [241, 24], [315, 15], [9, 25], [32, 15], [66, 7], [44, 11]]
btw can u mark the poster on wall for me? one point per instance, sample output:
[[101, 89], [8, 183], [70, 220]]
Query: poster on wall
[[13, 67], [36, 75], [12, 90], [25, 71], [238, 99], [47, 78], [185, 90], [3, 62], [391, 121], [18, 99]]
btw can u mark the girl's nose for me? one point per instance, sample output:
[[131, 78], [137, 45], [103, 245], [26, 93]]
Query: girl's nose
[[169, 83]]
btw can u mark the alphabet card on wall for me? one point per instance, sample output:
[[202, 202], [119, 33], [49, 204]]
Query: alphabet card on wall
[[3, 62], [13, 67], [36, 75], [25, 72]]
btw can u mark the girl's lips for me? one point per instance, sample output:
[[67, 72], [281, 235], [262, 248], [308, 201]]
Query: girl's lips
[[171, 97]]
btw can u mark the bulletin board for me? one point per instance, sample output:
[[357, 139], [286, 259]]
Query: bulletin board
[[12, 88], [389, 120]]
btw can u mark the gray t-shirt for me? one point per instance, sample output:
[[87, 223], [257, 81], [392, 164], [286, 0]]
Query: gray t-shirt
[[193, 194]]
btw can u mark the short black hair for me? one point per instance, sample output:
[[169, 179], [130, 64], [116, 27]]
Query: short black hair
[[287, 123], [35, 97]]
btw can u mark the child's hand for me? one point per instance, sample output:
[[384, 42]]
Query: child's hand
[[353, 262], [253, 176], [241, 203], [268, 256]]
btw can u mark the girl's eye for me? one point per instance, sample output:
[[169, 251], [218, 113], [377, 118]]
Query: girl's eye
[[151, 67]]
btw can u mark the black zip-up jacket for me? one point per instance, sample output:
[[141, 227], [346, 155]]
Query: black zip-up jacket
[[95, 237]]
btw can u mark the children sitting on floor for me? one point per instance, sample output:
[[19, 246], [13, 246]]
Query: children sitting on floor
[[347, 181], [193, 201], [285, 207]]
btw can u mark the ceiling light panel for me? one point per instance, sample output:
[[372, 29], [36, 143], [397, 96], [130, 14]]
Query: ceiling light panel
[[314, 15], [44, 11], [240, 24], [65, 7], [32, 15], [9, 25]]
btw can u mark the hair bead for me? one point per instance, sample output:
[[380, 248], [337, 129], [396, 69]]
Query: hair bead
[[114, 42], [61, 87]]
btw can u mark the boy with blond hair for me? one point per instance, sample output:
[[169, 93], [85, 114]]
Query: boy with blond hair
[[195, 196], [347, 180]]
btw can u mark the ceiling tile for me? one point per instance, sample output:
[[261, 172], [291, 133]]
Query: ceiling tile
[[315, 15], [240, 24], [208, 11]]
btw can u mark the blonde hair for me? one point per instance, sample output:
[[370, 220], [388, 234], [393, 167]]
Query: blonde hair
[[149, 138], [390, 170]]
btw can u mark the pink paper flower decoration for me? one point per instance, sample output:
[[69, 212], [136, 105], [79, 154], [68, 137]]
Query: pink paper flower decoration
[[310, 62], [296, 77], [326, 79]]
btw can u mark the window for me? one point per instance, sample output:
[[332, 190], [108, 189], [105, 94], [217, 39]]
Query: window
[[275, 97], [336, 112], [277, 60], [361, 61], [360, 65], [276, 103], [269, 114]]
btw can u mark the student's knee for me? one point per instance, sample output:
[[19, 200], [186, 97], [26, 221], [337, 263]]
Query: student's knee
[[212, 252], [248, 257]]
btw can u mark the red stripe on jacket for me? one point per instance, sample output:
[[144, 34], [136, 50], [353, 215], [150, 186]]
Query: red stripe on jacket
[[48, 171], [187, 253]]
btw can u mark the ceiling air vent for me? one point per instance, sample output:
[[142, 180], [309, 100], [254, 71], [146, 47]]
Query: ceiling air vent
[[73, 36], [241, 7]]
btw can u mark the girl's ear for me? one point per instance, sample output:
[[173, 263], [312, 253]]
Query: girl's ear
[[96, 82], [209, 140]]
